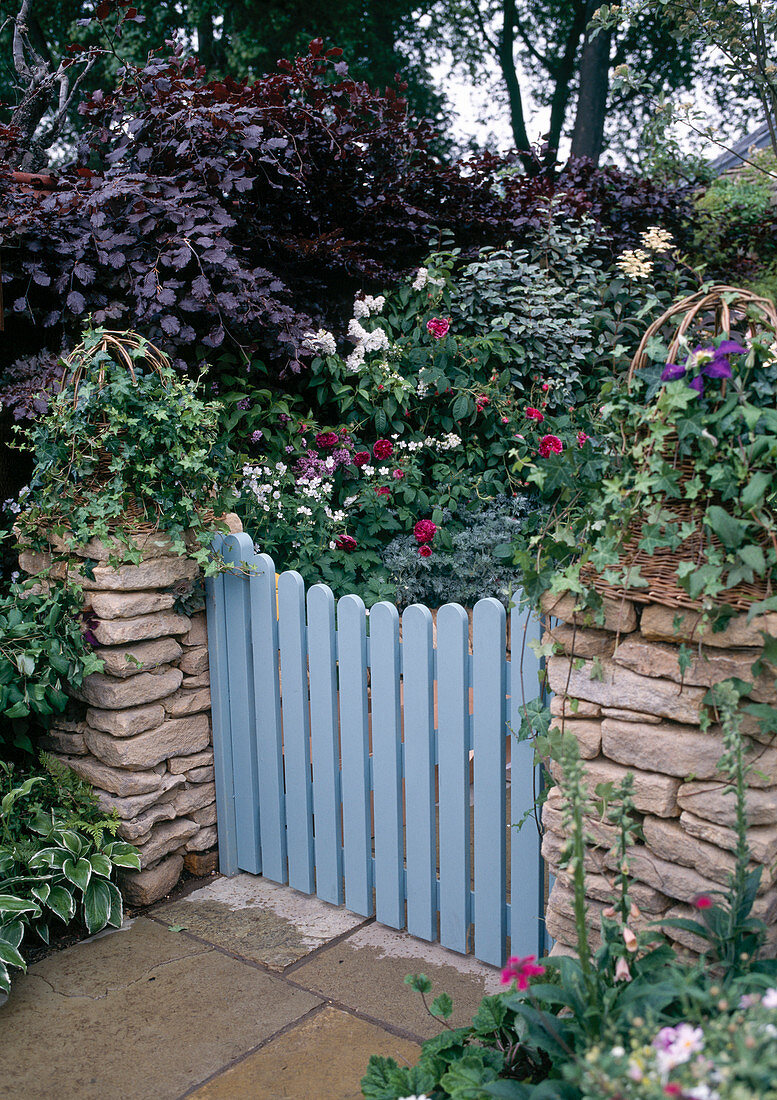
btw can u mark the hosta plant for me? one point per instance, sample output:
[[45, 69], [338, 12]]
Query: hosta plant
[[52, 875]]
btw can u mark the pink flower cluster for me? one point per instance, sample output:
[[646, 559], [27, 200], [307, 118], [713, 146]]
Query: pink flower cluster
[[424, 532], [521, 969], [438, 327], [550, 444]]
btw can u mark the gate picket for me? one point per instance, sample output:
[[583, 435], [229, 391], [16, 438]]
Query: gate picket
[[215, 606], [385, 670], [264, 635], [453, 752], [325, 744], [489, 732], [238, 550], [355, 749], [325, 749], [418, 680], [527, 928], [296, 729]]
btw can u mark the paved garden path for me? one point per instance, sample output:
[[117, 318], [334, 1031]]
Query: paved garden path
[[240, 989]]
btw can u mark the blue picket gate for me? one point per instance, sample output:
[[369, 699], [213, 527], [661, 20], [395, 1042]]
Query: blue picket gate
[[357, 760]]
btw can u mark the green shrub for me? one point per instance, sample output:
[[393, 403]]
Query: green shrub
[[44, 649]]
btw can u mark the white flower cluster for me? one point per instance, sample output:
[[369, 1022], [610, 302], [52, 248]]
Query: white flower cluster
[[408, 445], [657, 239], [365, 341], [448, 442], [635, 263], [274, 487], [422, 277], [363, 307], [321, 342]]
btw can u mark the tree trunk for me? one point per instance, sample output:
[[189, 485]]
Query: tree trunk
[[507, 63], [588, 134], [563, 75]]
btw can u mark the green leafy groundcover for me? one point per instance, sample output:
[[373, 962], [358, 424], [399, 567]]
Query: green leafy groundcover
[[58, 861]]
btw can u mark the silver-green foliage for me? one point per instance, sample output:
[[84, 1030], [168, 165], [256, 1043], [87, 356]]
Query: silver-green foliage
[[473, 567]]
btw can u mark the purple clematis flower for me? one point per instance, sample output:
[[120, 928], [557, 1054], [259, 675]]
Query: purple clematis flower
[[718, 368], [672, 371], [697, 384], [730, 347]]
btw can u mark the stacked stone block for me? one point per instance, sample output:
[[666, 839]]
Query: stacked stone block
[[144, 741], [620, 691]]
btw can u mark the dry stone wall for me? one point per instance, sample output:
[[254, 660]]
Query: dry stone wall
[[143, 739], [620, 691]]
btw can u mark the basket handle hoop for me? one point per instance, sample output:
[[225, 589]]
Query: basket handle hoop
[[696, 304]]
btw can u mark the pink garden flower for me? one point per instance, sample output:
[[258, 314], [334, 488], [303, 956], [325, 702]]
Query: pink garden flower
[[438, 327], [383, 491], [346, 542], [361, 458], [425, 551], [521, 969], [550, 444], [534, 414], [703, 901], [397, 474], [327, 439], [425, 530], [384, 448], [481, 402], [582, 438], [622, 972]]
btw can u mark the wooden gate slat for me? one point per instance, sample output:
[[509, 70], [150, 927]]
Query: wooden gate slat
[[418, 680], [264, 634], [527, 932], [238, 550], [387, 765], [325, 744], [453, 755], [296, 729], [355, 749], [489, 732], [215, 606]]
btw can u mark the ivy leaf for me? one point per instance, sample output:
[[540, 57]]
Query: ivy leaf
[[756, 489], [729, 530]]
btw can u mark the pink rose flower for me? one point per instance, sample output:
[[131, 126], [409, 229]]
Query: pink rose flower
[[327, 439], [438, 327], [425, 530], [550, 444], [398, 474], [383, 491], [534, 414], [361, 458], [581, 438], [346, 542], [384, 448], [425, 551]]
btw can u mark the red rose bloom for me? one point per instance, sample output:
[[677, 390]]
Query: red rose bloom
[[550, 444], [361, 458], [535, 414], [397, 474], [327, 439], [383, 491], [384, 448], [425, 551], [438, 327], [425, 530], [346, 542]]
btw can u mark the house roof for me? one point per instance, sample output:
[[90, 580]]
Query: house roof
[[758, 139]]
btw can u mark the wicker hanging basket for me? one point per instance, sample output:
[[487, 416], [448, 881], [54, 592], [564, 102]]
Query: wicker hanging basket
[[714, 312]]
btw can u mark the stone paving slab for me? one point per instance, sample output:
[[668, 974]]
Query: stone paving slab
[[324, 1057], [259, 920], [366, 972], [138, 1014]]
